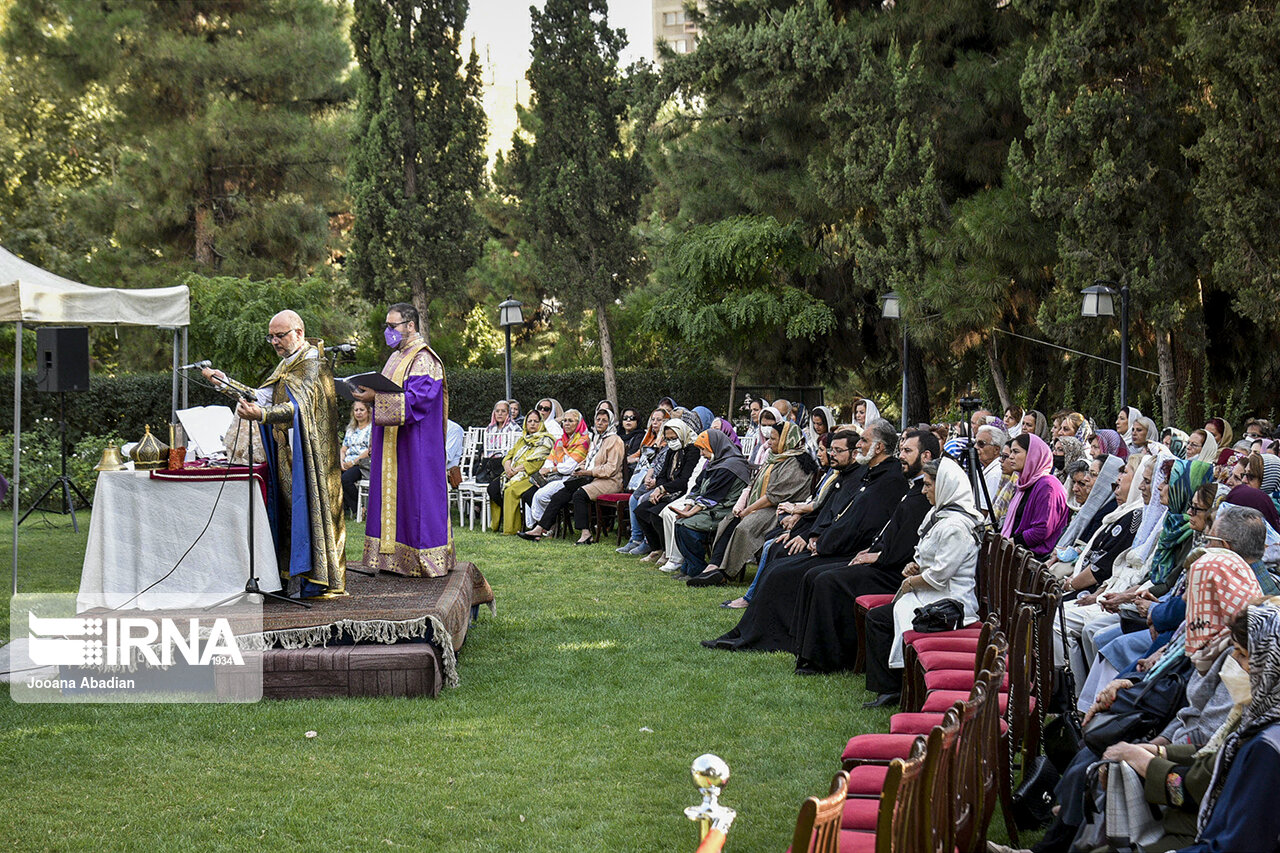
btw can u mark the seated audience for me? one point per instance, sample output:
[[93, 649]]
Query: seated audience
[[522, 461], [785, 477], [1038, 510], [723, 479]]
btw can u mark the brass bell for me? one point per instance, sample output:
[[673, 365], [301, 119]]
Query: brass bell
[[111, 459], [150, 452]]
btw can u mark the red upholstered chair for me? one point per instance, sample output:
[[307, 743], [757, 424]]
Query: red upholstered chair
[[621, 516], [933, 812], [818, 825], [861, 605], [901, 815]]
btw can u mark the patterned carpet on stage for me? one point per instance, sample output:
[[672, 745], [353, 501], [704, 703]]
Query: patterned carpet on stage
[[385, 609]]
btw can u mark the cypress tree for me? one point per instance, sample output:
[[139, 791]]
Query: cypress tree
[[578, 186], [418, 159]]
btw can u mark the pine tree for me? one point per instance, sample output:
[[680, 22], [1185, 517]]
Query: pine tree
[[220, 125], [578, 186], [418, 160]]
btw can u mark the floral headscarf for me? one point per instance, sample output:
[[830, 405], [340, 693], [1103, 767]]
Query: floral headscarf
[[1112, 443], [792, 446], [1184, 479]]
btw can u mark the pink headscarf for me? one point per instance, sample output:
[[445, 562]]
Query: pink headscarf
[[1039, 464]]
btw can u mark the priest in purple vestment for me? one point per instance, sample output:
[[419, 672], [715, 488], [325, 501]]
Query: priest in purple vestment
[[407, 524]]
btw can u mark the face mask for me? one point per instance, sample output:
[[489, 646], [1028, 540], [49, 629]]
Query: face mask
[[1058, 460], [673, 444], [766, 433], [1236, 680], [392, 337]]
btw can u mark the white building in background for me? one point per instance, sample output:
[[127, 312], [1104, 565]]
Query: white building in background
[[671, 25]]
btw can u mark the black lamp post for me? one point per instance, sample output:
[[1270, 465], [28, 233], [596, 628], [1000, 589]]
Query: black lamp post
[[509, 314], [892, 310], [1099, 301]]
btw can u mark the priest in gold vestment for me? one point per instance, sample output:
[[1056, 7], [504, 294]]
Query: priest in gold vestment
[[407, 524], [299, 409]]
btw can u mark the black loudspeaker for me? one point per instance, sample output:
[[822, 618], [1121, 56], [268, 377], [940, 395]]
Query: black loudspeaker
[[62, 358]]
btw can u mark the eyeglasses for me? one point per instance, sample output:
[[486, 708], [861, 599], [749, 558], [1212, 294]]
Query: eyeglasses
[[980, 444], [629, 417], [1196, 510], [272, 337], [393, 325], [544, 408]]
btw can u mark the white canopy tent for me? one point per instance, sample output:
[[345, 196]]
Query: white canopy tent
[[31, 295]]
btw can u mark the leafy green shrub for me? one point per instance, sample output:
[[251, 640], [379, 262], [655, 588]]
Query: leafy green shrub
[[42, 461]]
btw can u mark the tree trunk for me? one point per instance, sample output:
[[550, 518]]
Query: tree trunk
[[606, 353], [204, 235], [1168, 381], [997, 374], [733, 386], [421, 300], [917, 388]]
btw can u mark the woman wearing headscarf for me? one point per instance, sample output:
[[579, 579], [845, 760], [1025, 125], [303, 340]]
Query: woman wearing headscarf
[[1238, 811], [499, 435], [1253, 498], [570, 449], [653, 455], [1201, 445], [1220, 429], [1125, 420], [549, 409], [670, 483], [705, 417], [1110, 442], [524, 459], [1012, 421], [1113, 535], [945, 566], [1035, 423], [822, 421], [1007, 489], [1038, 512], [1175, 540], [769, 417], [864, 412], [725, 426], [1270, 473], [1067, 449], [1176, 440], [1143, 438], [631, 433], [723, 479], [785, 476]]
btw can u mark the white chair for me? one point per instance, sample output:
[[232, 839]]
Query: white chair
[[470, 453], [362, 498], [477, 494]]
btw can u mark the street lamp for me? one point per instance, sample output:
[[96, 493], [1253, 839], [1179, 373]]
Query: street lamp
[[892, 310], [1099, 301], [509, 314]]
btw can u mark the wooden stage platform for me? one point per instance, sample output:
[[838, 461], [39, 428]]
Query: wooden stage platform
[[391, 636]]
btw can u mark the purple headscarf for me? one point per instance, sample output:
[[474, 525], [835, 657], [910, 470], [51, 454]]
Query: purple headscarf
[[1039, 464], [1255, 499], [726, 427], [1112, 443]]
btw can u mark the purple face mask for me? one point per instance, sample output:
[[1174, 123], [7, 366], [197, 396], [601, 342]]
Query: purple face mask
[[393, 337]]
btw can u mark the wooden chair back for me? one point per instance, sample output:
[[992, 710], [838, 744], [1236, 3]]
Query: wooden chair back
[[818, 825], [914, 812]]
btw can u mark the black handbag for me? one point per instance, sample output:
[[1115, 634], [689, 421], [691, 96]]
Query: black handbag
[[945, 614], [1033, 800], [1141, 712], [1062, 735]]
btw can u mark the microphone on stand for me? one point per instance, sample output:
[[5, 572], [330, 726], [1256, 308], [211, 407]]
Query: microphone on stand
[[197, 365], [341, 348]]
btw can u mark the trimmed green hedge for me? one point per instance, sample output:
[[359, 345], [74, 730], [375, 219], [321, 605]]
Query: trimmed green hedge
[[121, 405]]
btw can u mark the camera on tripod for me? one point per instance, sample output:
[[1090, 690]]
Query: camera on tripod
[[970, 404]]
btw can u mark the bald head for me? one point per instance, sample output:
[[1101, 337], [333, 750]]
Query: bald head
[[286, 333]]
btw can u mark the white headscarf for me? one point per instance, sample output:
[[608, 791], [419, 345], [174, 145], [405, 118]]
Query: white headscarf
[[873, 412], [1210, 451], [1134, 414], [683, 433], [952, 494]]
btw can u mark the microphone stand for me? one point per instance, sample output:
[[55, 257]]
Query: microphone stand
[[251, 584]]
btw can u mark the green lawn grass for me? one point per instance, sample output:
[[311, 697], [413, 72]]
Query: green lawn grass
[[581, 705]]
